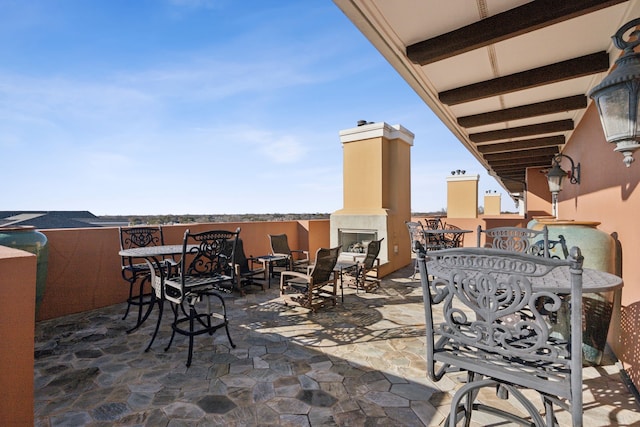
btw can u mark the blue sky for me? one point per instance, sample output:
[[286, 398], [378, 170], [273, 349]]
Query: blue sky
[[199, 107]]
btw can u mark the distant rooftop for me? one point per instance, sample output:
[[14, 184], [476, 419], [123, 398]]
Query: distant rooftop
[[53, 219]]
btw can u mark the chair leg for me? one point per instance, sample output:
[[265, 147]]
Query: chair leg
[[131, 282], [155, 332], [140, 303], [192, 318], [174, 325]]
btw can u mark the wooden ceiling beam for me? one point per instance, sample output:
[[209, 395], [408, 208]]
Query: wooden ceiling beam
[[511, 23], [518, 156], [501, 167], [515, 177], [523, 144], [517, 186], [560, 71], [518, 132], [559, 105]]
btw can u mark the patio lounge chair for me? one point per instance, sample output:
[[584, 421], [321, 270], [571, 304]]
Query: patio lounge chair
[[316, 288], [245, 273], [297, 260], [367, 270]]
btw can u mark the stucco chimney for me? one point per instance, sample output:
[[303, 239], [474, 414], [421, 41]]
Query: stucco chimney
[[376, 189]]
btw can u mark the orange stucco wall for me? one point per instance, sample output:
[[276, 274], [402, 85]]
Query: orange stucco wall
[[17, 325], [84, 266], [607, 193]]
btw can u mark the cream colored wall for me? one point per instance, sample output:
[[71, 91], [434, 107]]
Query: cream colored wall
[[399, 187], [363, 174], [462, 197], [17, 325], [492, 204]]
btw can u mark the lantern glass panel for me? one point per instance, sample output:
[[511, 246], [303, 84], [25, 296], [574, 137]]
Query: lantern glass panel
[[614, 111], [555, 183]]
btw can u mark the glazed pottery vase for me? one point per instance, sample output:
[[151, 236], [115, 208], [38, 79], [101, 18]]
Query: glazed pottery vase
[[599, 251], [30, 240]]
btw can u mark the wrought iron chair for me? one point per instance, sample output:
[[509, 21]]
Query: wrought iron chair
[[205, 268], [316, 288], [367, 271], [516, 239], [297, 260], [452, 240], [421, 241], [487, 314], [418, 241], [433, 223], [136, 270], [245, 272]]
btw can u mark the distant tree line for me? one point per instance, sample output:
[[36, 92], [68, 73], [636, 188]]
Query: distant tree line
[[188, 219]]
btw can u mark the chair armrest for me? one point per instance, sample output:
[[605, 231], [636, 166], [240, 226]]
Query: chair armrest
[[293, 274], [299, 251]]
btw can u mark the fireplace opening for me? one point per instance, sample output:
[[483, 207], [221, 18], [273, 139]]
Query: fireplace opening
[[356, 241]]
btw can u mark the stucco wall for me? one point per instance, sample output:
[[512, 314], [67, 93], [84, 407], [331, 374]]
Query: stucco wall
[[608, 193], [84, 266], [17, 325]]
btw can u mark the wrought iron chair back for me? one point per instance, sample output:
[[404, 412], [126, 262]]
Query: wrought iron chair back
[[137, 270], [418, 241], [451, 240], [516, 239], [417, 236], [433, 223], [487, 313]]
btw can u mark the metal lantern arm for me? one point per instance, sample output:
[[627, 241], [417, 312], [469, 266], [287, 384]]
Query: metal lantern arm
[[574, 175]]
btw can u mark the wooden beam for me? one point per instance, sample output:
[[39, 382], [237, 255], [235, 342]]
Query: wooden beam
[[533, 156], [511, 23], [524, 144], [518, 177], [565, 70], [521, 154], [517, 132], [503, 165], [514, 182], [559, 105]]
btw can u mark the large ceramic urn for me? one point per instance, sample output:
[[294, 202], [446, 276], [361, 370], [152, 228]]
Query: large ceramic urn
[[30, 240], [599, 251]]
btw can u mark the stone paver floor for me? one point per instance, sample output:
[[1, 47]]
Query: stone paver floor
[[360, 363]]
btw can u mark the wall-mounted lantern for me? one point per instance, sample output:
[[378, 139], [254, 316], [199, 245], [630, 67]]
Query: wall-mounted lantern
[[617, 95], [555, 176]]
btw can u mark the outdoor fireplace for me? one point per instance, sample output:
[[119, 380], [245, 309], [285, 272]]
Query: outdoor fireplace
[[355, 241], [376, 193]]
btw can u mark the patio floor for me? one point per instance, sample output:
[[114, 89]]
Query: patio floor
[[358, 364]]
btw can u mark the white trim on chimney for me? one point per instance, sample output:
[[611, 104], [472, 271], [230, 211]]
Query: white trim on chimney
[[377, 130]]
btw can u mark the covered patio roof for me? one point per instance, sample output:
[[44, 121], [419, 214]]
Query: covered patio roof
[[509, 78]]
